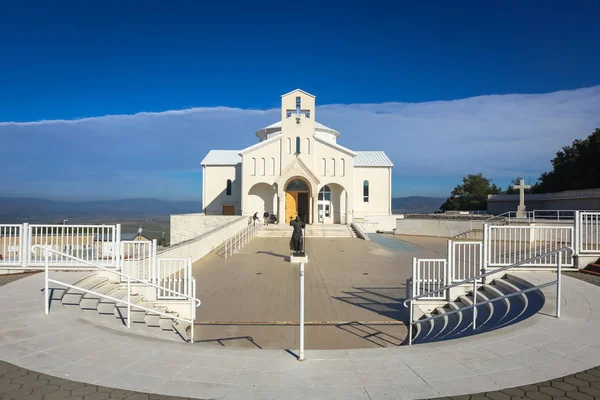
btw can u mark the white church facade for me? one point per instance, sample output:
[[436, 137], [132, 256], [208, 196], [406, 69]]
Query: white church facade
[[297, 168]]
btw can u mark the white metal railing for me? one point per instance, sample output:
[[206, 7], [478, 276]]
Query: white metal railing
[[234, 243], [508, 217], [11, 244], [194, 302], [588, 232], [175, 274], [465, 260], [428, 275], [477, 278], [138, 259], [94, 243], [506, 245]]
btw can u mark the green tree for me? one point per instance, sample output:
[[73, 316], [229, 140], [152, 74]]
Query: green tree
[[574, 167], [471, 195]]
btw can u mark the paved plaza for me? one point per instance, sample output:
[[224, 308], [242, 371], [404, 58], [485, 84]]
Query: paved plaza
[[354, 292], [62, 356]]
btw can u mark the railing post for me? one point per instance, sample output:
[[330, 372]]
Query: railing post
[[128, 301], [450, 264], [474, 304], [558, 284], [576, 233], [27, 257], [154, 264], [301, 355], [193, 311], [46, 293], [117, 246], [23, 245]]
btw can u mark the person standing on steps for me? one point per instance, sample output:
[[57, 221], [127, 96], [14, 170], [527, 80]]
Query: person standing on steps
[[254, 218], [266, 217]]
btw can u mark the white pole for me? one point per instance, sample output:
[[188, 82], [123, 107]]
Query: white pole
[[128, 301], [46, 294], [558, 283], [474, 304], [301, 355]]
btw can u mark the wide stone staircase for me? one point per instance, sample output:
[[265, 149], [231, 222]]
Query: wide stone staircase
[[489, 316], [111, 314], [312, 231]]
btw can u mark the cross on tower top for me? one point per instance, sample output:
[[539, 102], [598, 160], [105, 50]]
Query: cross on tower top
[[298, 110]]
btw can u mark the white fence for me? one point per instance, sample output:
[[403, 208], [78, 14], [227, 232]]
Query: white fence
[[175, 274], [507, 245], [588, 232], [465, 260], [11, 244], [94, 244], [428, 275]]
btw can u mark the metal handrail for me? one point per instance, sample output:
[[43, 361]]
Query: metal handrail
[[127, 302], [495, 271], [187, 297], [518, 264]]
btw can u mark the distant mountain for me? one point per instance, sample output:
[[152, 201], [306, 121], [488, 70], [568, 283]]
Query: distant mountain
[[416, 204], [17, 209]]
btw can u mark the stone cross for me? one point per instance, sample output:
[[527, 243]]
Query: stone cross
[[521, 209]]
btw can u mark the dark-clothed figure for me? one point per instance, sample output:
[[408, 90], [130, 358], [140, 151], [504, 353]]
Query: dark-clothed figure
[[266, 217], [296, 243], [255, 217]]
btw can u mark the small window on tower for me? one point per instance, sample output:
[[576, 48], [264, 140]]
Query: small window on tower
[[288, 114], [307, 115], [297, 105]]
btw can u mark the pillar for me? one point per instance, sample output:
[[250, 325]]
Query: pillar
[[280, 206], [314, 211]]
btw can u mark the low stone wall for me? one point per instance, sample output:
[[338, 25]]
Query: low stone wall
[[188, 226], [588, 199], [435, 227], [203, 244], [373, 223]]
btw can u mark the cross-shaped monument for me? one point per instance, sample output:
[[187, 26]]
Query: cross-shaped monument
[[298, 111], [521, 208]]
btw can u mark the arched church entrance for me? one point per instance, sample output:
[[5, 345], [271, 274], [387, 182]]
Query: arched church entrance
[[297, 200], [332, 204]]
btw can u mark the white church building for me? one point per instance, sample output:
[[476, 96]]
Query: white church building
[[297, 168]]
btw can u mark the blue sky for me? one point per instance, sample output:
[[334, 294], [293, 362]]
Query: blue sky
[[72, 60]]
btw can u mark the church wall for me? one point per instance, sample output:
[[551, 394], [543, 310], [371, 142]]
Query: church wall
[[256, 180], [379, 191], [214, 185]]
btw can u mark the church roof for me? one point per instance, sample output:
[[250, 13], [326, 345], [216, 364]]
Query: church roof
[[222, 157], [318, 125], [372, 159]]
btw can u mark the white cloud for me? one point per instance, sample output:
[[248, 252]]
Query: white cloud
[[500, 135]]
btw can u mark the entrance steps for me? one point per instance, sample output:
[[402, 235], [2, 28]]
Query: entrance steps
[[112, 314], [312, 231], [490, 316]]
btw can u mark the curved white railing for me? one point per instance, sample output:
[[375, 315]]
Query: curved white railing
[[194, 302], [477, 278]]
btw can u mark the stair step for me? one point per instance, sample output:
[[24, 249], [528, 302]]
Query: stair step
[[91, 301], [154, 319], [74, 296], [166, 323], [106, 306], [120, 309]]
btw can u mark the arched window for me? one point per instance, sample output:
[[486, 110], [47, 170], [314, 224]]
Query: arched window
[[272, 166], [323, 167], [325, 193], [289, 146], [366, 191], [307, 146], [228, 190], [253, 166], [332, 167], [262, 166], [297, 144], [343, 171]]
